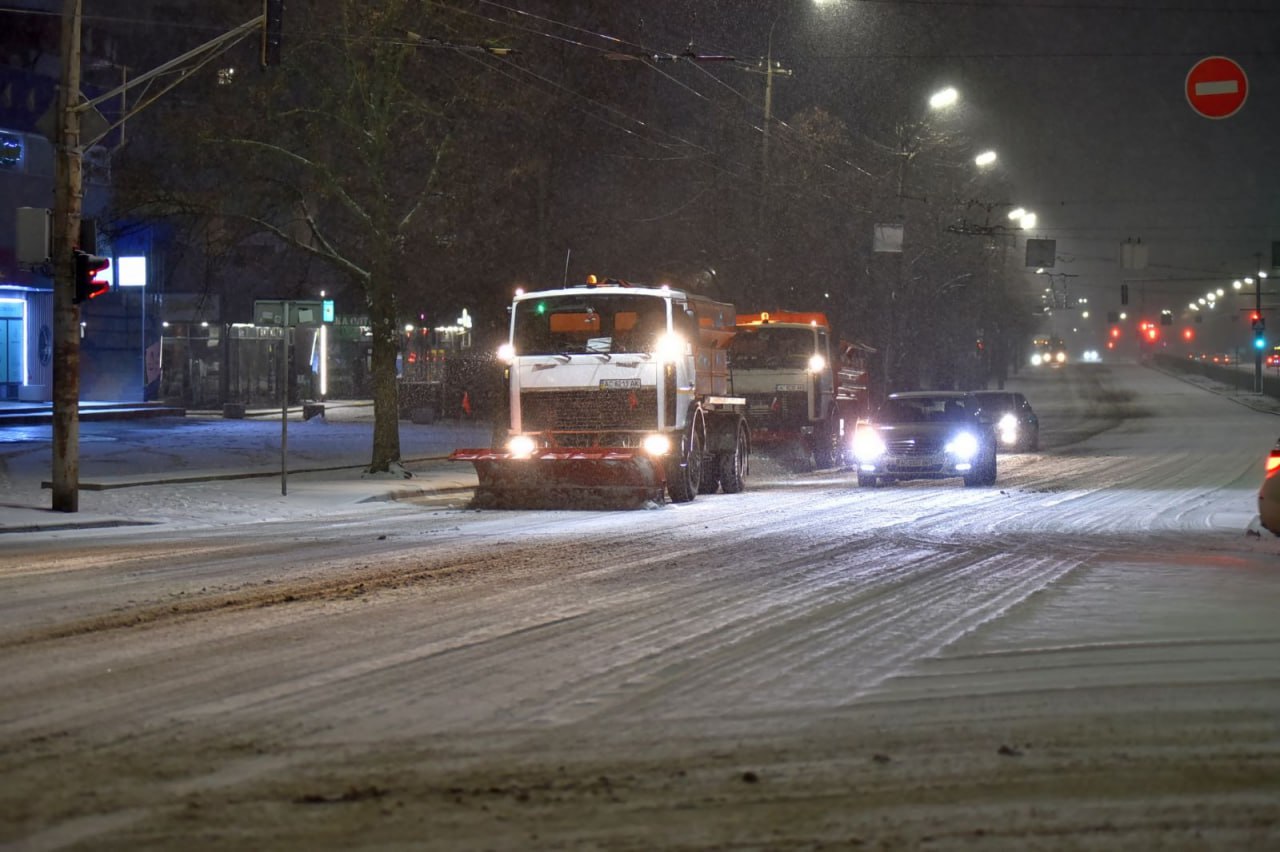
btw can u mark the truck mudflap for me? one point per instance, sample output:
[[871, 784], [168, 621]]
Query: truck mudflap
[[565, 478]]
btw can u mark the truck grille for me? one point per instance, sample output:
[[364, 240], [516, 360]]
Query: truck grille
[[589, 410], [781, 410]]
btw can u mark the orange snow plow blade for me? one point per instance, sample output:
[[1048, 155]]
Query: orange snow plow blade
[[561, 478]]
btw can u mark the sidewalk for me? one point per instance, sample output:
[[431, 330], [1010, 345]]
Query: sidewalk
[[202, 470]]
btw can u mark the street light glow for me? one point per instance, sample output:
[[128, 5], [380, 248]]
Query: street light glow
[[1017, 213], [986, 158], [1028, 221], [944, 98]]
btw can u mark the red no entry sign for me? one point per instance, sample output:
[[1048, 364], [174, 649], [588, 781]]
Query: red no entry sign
[[1216, 87]]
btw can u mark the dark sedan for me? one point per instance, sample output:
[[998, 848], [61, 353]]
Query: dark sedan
[[1017, 427], [926, 435]]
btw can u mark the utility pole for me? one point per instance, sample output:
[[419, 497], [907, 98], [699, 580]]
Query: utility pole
[[763, 244], [68, 196]]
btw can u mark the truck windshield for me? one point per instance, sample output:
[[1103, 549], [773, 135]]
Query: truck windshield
[[588, 323], [765, 347]]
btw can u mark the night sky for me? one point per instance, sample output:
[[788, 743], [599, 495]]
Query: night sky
[[1085, 103]]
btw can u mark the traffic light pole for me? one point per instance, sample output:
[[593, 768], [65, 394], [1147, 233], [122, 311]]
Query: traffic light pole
[[65, 478], [68, 198], [1257, 350]]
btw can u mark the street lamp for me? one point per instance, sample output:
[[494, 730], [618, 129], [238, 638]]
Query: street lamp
[[986, 158], [943, 98]]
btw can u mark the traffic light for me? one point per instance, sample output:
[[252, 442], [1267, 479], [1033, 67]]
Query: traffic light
[[272, 30], [88, 285]]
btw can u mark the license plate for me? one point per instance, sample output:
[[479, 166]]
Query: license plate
[[913, 462], [788, 387], [610, 384]]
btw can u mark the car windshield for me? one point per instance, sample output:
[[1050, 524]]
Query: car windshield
[[925, 409], [997, 401], [589, 323]]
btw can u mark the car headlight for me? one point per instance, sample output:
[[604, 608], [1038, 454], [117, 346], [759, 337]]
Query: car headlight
[[521, 446], [657, 445], [963, 446], [1036, 360], [817, 363], [1061, 357], [1008, 428], [867, 445]]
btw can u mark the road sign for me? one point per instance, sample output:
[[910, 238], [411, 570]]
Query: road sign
[[288, 312], [1216, 87]]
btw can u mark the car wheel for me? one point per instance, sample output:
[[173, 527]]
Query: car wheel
[[989, 474]]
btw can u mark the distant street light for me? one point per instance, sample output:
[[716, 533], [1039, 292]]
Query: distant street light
[[1017, 213], [1028, 221], [986, 158], [943, 98]]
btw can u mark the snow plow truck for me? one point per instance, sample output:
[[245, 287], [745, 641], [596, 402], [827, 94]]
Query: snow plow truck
[[614, 392], [804, 391]]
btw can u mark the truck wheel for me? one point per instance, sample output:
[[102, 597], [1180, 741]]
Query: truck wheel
[[710, 480], [824, 455], [685, 475], [733, 464]]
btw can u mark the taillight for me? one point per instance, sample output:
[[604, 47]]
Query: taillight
[[1273, 463]]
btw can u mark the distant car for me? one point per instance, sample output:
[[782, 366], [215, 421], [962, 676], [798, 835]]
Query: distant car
[[1091, 356], [1269, 493], [1017, 427], [925, 435]]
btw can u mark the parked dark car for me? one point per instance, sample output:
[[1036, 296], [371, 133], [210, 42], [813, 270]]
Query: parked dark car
[[926, 435], [1017, 427]]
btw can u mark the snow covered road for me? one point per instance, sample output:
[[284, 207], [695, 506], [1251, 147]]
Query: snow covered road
[[1085, 656]]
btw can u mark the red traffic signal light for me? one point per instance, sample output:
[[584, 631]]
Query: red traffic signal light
[[88, 285]]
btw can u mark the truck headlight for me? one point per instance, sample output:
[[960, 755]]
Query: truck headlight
[[817, 363], [657, 445], [506, 353], [669, 347], [867, 445], [521, 446], [963, 446]]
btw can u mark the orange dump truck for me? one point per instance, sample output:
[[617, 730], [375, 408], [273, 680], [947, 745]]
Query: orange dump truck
[[804, 390]]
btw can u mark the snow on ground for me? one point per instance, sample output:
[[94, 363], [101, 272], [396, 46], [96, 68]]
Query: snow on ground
[[205, 470]]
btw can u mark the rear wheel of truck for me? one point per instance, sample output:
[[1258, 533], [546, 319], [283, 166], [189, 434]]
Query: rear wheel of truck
[[825, 449], [684, 475], [733, 464], [710, 480]]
